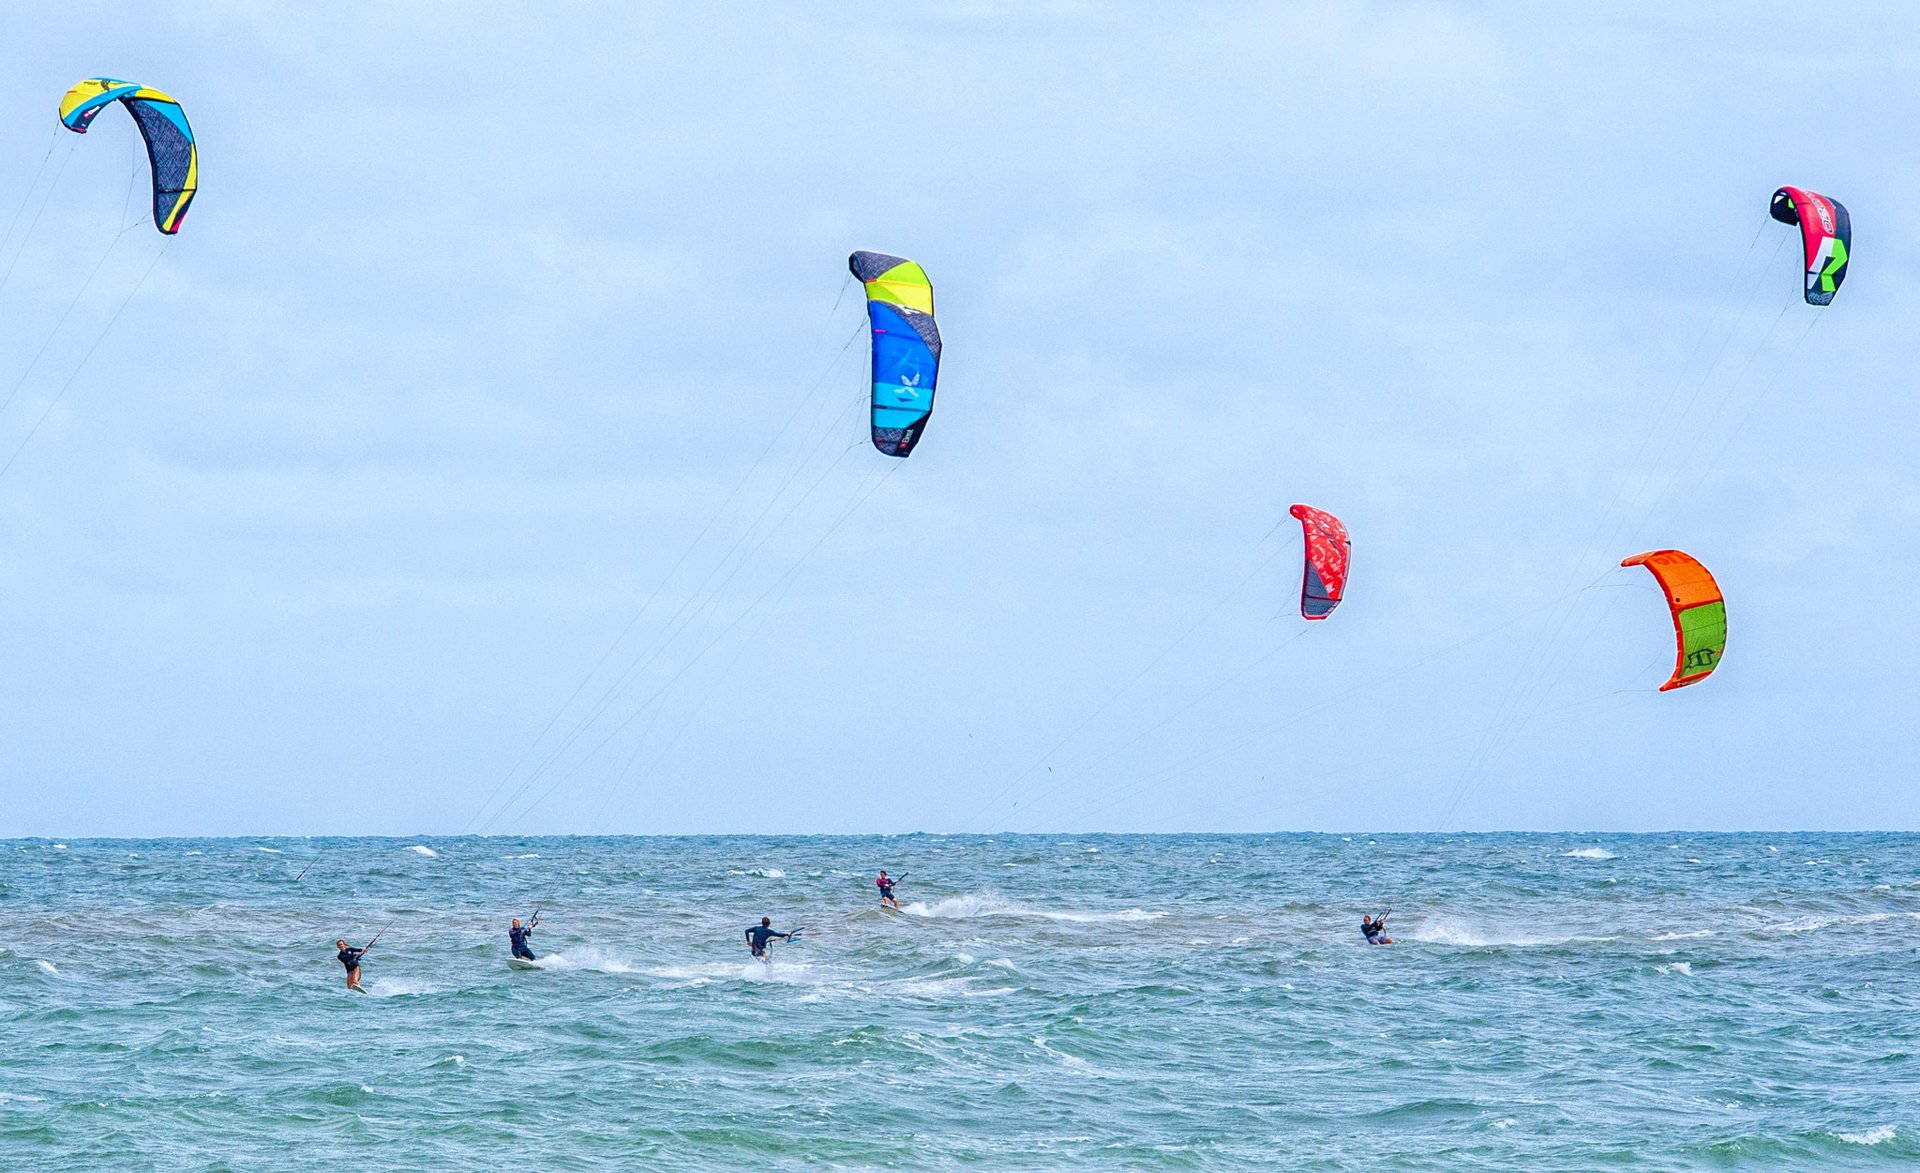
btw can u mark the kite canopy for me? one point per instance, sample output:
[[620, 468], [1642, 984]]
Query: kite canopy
[[1826, 232], [174, 160], [1323, 580], [1699, 613], [906, 348]]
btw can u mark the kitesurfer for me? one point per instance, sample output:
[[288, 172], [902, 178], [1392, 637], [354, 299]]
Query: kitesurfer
[[351, 959], [1374, 929], [886, 890], [758, 936], [518, 936]]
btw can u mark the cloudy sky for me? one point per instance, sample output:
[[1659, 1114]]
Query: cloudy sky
[[487, 451]]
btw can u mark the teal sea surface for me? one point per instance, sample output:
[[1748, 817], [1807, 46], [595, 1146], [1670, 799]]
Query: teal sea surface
[[1554, 1002]]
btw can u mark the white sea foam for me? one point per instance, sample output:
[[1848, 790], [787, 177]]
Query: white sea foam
[[696, 975], [46, 966], [1446, 930], [422, 849], [399, 987], [586, 957], [1813, 924], [268, 850], [763, 873], [1684, 969], [528, 855], [1589, 853], [196, 853], [1869, 1136], [983, 904], [59, 847], [1683, 936]]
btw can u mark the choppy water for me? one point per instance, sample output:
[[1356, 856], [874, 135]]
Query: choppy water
[[1189, 1002]]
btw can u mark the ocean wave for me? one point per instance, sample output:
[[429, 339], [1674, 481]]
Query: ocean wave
[[1588, 853], [46, 967], [268, 850], [763, 873], [422, 849], [1680, 967], [1813, 924], [985, 904], [1869, 1136]]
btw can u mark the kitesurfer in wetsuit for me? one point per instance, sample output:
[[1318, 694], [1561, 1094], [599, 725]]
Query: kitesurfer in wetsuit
[[758, 936], [1374, 929], [351, 959], [886, 890], [518, 936]]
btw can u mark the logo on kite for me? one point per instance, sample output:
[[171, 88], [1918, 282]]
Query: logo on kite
[[1826, 237], [1699, 613], [1327, 557], [172, 157]]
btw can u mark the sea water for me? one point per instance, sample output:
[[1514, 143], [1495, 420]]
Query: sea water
[[1553, 1002]]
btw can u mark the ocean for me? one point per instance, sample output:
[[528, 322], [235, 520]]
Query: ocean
[[1553, 1002]]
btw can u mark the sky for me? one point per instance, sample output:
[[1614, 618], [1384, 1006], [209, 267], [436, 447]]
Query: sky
[[487, 453]]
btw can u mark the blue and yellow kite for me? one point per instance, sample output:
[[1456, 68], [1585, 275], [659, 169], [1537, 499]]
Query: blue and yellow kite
[[906, 348], [170, 151]]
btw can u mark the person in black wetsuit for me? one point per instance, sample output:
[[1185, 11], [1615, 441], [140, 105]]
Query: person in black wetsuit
[[1374, 929], [351, 959], [758, 936], [518, 936]]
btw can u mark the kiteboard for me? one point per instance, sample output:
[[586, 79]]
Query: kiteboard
[[521, 963]]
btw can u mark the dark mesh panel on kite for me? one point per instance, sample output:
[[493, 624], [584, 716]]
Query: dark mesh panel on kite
[[923, 325], [1315, 599], [168, 151], [867, 266], [895, 441]]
